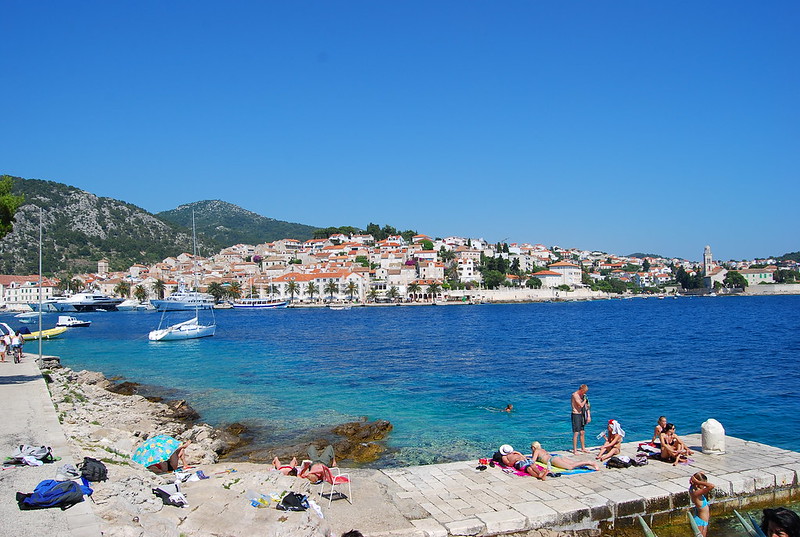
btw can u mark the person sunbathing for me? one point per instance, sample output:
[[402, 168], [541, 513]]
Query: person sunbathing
[[613, 445], [514, 459], [672, 448], [539, 454], [290, 469], [315, 472], [176, 460]]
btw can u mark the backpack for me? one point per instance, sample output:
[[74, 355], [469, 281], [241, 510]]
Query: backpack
[[619, 461], [293, 502], [93, 470], [51, 493], [42, 453], [639, 460]]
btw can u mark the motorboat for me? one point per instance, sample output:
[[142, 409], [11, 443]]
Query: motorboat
[[190, 329], [128, 304], [259, 303], [184, 301], [27, 335], [339, 306], [27, 317], [81, 302], [71, 322]]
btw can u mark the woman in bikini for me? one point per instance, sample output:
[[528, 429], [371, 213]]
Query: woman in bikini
[[538, 454], [699, 487], [290, 469], [672, 448], [662, 422], [613, 445]]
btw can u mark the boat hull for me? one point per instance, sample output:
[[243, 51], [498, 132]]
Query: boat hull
[[46, 334], [259, 305], [167, 305], [184, 332]]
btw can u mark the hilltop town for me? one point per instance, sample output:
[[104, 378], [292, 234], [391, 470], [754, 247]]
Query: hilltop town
[[359, 268]]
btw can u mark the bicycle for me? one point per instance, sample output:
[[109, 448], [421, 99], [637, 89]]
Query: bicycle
[[17, 354]]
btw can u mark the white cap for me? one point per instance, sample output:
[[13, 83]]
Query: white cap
[[505, 449]]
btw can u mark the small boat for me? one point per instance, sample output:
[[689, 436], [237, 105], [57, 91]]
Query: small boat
[[71, 322], [339, 306], [259, 303], [185, 330], [27, 317], [27, 335]]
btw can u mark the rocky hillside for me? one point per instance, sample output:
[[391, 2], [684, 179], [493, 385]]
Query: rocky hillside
[[229, 224], [80, 228]]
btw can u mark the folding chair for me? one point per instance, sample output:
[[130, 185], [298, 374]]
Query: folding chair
[[336, 482]]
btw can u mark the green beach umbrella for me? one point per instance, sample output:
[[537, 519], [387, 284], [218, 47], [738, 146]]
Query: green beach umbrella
[[155, 450]]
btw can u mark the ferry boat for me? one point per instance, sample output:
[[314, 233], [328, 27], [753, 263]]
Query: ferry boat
[[259, 303]]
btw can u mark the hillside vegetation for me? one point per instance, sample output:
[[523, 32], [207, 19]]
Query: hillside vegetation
[[228, 224]]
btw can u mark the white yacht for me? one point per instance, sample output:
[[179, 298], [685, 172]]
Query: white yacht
[[79, 302], [184, 301]]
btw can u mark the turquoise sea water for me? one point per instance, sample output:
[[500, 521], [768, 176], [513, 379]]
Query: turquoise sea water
[[439, 373]]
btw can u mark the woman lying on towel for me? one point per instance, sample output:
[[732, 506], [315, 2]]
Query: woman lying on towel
[[538, 454], [285, 469]]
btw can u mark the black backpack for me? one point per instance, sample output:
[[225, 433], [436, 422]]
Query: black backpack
[[93, 470], [293, 502]]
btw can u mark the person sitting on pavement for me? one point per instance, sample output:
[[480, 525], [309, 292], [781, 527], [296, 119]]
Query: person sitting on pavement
[[660, 424], [613, 445], [514, 459], [672, 448], [539, 454]]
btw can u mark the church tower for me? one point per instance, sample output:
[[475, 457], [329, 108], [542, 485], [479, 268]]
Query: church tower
[[708, 262]]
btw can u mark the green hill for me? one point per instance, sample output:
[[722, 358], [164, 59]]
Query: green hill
[[228, 224], [80, 228]]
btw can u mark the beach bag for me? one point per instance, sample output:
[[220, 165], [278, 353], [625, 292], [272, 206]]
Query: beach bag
[[42, 453], [93, 470], [51, 493], [619, 461], [171, 495], [293, 502], [639, 460]]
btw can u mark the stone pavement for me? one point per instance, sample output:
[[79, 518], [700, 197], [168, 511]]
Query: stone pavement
[[29, 418], [461, 500]]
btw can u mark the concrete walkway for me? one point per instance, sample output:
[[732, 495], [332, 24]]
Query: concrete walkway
[[29, 418]]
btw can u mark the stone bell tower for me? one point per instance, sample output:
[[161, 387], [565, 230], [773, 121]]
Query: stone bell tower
[[708, 261]]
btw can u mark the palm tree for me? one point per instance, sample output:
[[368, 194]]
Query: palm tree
[[351, 289], [159, 288], [331, 287], [372, 295], [392, 293], [123, 289], [433, 290], [413, 289], [292, 289], [234, 290], [216, 290], [311, 290], [75, 284], [140, 293]]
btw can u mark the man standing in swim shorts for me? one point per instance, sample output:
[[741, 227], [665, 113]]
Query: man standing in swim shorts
[[580, 417]]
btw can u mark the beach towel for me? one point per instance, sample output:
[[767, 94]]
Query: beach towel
[[555, 470]]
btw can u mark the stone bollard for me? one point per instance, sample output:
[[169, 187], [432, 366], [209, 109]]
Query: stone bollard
[[713, 437]]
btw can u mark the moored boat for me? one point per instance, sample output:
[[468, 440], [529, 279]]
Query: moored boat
[[259, 303], [71, 322], [190, 329], [184, 301]]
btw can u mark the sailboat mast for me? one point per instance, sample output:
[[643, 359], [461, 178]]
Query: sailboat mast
[[194, 254]]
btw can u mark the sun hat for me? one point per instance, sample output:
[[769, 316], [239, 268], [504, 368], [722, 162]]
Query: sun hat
[[505, 449]]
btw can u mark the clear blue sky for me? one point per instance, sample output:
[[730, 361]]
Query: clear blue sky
[[621, 126]]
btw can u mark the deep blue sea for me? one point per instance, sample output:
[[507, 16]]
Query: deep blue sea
[[440, 374]]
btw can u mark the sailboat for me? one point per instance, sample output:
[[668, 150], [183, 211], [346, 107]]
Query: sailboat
[[189, 329]]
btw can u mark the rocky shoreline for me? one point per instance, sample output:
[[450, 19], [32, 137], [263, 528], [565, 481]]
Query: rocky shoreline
[[106, 420]]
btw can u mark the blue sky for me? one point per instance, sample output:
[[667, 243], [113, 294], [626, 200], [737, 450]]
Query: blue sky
[[618, 126]]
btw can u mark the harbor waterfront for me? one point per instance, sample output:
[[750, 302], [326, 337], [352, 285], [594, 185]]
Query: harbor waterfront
[[440, 374]]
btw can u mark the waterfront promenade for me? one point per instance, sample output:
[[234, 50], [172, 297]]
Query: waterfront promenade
[[30, 418], [420, 501]]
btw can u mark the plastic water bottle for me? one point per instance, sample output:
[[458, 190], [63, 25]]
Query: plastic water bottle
[[256, 499]]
